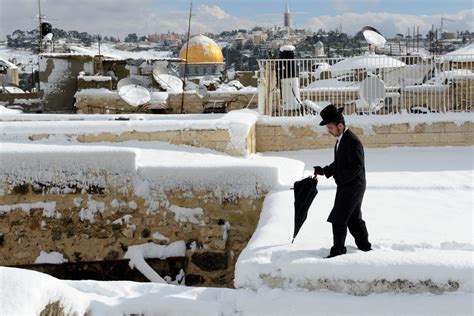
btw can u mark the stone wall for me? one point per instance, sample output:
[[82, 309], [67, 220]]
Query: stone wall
[[104, 103], [274, 137], [83, 227], [218, 139], [58, 79], [29, 102], [89, 82], [213, 102]]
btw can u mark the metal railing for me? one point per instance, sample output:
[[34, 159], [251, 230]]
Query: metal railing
[[368, 84]]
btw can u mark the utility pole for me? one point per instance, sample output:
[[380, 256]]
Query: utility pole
[[431, 39], [40, 40], [418, 38], [407, 41], [186, 61], [98, 40]]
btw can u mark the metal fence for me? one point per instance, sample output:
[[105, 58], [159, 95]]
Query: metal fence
[[368, 84]]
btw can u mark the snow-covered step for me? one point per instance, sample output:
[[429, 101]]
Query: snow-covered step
[[379, 271], [422, 243]]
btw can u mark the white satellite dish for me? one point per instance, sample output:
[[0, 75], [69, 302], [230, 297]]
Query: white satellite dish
[[127, 81], [373, 36], [131, 91], [48, 37], [168, 82], [372, 92]]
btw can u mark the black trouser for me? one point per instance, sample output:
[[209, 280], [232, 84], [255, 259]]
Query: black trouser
[[357, 228]]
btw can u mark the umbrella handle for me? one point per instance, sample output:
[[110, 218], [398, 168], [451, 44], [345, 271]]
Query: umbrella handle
[[293, 240]]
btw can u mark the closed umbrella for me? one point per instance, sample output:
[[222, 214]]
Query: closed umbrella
[[305, 191]]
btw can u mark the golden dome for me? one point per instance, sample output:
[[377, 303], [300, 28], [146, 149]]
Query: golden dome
[[202, 50]]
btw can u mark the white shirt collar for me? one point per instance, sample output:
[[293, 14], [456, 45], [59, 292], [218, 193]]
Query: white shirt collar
[[340, 137]]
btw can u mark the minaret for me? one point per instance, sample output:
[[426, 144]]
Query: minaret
[[287, 17]]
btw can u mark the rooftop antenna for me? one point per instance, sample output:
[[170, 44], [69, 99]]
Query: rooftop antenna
[[373, 37], [186, 61], [39, 28], [40, 44], [98, 40], [442, 30]]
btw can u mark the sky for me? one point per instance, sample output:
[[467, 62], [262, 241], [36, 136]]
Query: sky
[[121, 17]]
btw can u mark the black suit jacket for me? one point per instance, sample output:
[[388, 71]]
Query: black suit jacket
[[348, 167], [348, 170]]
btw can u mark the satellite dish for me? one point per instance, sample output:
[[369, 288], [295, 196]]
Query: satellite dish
[[373, 36], [372, 92], [127, 81], [131, 91], [48, 37], [168, 82]]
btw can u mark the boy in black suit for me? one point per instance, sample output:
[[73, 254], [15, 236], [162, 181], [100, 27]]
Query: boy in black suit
[[348, 170]]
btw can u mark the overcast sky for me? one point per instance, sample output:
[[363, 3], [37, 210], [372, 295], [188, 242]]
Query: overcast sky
[[120, 17]]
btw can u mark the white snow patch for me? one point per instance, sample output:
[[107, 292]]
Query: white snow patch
[[4, 110], [51, 258], [366, 122], [127, 298], [240, 123], [226, 227], [179, 279], [93, 207], [98, 92], [94, 78], [159, 236], [49, 208], [123, 220], [185, 215], [138, 253], [77, 201], [200, 40]]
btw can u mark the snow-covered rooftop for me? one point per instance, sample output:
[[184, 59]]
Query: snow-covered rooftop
[[7, 64], [464, 54], [110, 52], [418, 234]]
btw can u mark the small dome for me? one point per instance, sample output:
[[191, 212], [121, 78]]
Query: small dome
[[319, 44], [202, 50]]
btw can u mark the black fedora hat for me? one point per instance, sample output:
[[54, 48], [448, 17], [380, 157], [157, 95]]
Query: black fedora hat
[[330, 114]]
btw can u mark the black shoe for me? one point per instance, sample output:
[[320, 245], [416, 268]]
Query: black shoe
[[336, 252]]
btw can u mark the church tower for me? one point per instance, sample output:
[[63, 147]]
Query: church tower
[[287, 17]]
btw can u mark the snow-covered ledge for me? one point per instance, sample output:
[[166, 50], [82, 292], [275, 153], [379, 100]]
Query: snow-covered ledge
[[232, 133], [92, 202], [297, 133]]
